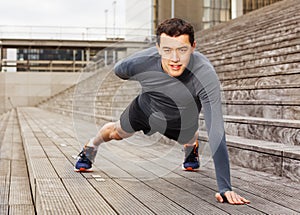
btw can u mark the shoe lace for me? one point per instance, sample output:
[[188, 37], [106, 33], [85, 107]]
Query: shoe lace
[[82, 156]]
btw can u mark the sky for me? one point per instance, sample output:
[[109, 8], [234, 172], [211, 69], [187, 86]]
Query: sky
[[74, 19], [79, 13]]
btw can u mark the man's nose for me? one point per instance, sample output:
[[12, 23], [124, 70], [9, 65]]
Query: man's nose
[[174, 56]]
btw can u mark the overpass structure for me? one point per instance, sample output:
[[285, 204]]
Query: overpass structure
[[62, 55]]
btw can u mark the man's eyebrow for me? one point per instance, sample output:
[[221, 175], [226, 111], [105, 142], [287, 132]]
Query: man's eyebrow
[[166, 47]]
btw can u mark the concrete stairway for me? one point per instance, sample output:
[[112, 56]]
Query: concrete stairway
[[257, 59]]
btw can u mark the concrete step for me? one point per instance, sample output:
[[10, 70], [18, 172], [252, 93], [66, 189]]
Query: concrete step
[[279, 93], [275, 109], [258, 71], [266, 156], [255, 63], [263, 46], [281, 131], [244, 29], [274, 81]]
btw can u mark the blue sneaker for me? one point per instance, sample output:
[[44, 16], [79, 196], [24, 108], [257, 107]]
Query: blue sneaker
[[191, 160], [85, 159]]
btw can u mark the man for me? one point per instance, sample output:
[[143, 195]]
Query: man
[[176, 83]]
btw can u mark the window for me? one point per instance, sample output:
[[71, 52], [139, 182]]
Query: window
[[250, 5], [215, 11]]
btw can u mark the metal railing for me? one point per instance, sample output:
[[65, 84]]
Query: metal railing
[[73, 33], [42, 65]]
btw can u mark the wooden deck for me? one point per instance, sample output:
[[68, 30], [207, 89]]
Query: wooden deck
[[136, 176]]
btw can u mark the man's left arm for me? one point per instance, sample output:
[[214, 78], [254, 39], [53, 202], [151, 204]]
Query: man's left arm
[[210, 97]]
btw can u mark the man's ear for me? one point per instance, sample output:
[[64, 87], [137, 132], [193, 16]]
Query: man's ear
[[194, 45]]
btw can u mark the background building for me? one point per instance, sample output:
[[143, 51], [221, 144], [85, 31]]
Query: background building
[[142, 18], [145, 15], [201, 13]]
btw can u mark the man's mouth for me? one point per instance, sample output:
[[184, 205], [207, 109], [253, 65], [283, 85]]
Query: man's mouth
[[175, 67]]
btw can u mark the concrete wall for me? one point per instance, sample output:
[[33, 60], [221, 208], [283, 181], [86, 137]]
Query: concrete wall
[[28, 89]]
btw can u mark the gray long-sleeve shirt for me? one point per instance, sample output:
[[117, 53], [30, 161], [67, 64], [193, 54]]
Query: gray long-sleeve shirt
[[197, 87]]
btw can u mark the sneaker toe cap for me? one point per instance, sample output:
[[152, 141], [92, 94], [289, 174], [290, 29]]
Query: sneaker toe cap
[[193, 165], [82, 166]]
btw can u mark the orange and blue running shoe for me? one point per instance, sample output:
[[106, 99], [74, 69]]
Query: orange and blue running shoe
[[191, 160], [85, 159]]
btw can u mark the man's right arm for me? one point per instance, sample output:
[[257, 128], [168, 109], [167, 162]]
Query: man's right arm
[[122, 69], [130, 66]]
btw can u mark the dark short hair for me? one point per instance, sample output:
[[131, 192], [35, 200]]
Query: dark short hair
[[175, 27]]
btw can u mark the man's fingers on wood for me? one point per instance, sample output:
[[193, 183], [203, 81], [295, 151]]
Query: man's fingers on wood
[[219, 197], [234, 197], [245, 200], [229, 197]]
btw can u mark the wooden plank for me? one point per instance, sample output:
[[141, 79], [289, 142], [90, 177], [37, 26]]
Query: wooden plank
[[4, 209], [53, 198], [258, 205], [32, 148], [53, 152], [187, 200], [156, 201], [197, 189], [122, 201], [257, 201], [19, 192], [39, 168], [109, 168], [4, 190], [5, 167], [272, 192], [6, 149], [21, 209], [127, 165], [69, 151], [157, 170], [64, 168], [19, 168], [86, 198], [18, 151], [261, 207], [42, 168]]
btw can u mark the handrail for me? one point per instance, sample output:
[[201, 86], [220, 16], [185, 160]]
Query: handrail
[[47, 65], [69, 32]]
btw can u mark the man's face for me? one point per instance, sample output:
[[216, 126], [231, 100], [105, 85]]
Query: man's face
[[175, 53]]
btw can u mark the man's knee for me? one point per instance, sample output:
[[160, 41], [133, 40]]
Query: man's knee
[[115, 135], [115, 131]]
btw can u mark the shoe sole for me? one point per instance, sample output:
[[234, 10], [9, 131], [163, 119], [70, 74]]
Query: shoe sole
[[190, 169], [83, 170]]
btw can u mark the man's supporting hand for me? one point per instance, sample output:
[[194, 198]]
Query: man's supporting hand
[[232, 198]]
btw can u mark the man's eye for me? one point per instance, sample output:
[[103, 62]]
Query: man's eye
[[167, 51], [183, 50]]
